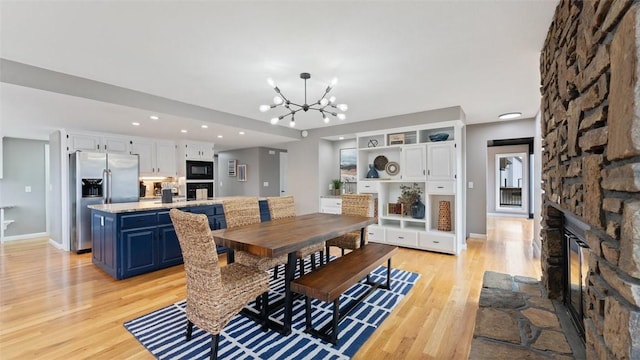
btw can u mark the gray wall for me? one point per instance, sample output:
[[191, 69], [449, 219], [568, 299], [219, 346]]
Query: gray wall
[[476, 148], [24, 165], [329, 160], [263, 165], [269, 163]]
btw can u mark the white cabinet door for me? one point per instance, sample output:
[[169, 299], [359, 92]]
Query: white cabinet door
[[144, 150], [375, 233], [83, 142], [413, 164], [331, 205], [115, 145], [198, 151], [166, 158], [441, 162], [91, 142]]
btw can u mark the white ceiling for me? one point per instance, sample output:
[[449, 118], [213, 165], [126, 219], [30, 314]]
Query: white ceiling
[[391, 58]]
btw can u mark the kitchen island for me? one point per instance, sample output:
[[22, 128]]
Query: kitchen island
[[133, 238]]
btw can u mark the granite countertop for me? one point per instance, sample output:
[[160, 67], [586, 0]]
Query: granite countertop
[[156, 205]]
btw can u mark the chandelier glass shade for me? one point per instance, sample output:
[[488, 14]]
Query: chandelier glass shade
[[325, 106]]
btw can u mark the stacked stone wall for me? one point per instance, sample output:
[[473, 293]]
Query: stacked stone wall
[[591, 163]]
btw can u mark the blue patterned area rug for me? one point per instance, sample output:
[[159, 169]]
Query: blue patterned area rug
[[162, 332]]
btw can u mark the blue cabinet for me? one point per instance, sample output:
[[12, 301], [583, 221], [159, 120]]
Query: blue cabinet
[[133, 243]]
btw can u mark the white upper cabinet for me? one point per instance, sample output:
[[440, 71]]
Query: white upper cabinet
[[413, 165], [441, 162], [157, 158], [97, 142], [198, 150]]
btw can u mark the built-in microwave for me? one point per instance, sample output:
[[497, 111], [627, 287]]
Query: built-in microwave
[[199, 170], [193, 186]]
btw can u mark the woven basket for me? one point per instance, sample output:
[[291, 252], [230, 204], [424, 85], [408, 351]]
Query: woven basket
[[444, 216]]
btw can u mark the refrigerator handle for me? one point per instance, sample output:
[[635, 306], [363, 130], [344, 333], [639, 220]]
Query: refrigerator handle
[[110, 184], [105, 187]]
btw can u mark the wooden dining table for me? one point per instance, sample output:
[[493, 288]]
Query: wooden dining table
[[286, 236]]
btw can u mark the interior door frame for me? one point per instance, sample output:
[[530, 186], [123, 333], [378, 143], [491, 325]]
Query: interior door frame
[[524, 207]]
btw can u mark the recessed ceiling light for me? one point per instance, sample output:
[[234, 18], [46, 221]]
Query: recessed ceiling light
[[135, 123], [154, 117], [509, 116], [204, 126], [341, 138], [183, 131], [241, 133], [219, 136]]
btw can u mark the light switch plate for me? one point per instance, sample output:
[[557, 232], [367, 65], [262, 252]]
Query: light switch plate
[[470, 184], [265, 184], [27, 189]]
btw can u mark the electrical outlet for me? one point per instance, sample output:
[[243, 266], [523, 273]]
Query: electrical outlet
[[470, 184], [265, 184], [27, 189]]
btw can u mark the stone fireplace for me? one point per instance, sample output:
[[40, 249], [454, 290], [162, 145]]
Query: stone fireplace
[[591, 164]]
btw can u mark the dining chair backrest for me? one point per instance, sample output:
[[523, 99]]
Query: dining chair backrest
[[241, 211], [281, 207], [204, 281], [356, 204]]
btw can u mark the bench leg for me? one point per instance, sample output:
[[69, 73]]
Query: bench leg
[[335, 321], [307, 311], [389, 273]]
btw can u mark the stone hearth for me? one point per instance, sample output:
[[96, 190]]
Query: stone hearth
[[515, 321]]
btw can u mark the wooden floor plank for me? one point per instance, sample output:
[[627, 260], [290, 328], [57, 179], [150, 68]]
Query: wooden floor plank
[[57, 305]]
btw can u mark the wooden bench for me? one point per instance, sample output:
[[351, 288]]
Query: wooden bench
[[330, 281]]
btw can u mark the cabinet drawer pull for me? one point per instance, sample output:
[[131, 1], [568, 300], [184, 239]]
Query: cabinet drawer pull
[[436, 242], [400, 237], [440, 187]]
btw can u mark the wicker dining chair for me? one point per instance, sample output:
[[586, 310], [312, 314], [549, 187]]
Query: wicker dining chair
[[246, 211], [353, 205], [214, 294], [283, 207]]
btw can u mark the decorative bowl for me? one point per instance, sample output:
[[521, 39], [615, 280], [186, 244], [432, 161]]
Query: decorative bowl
[[439, 137]]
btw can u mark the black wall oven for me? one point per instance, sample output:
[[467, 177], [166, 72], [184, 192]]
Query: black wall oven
[[193, 186], [199, 170]]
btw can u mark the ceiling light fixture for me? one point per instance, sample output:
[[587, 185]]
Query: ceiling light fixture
[[219, 136], [204, 126], [154, 117], [323, 105], [241, 133], [135, 123], [510, 115], [183, 131]]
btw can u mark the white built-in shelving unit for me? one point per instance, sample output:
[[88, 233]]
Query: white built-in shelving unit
[[437, 168]]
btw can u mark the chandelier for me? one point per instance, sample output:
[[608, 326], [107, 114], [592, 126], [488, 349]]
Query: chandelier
[[326, 107]]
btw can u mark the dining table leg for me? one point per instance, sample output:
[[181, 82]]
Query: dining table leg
[[231, 258], [289, 272]]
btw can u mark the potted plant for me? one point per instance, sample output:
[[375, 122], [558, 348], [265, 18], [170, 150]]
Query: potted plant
[[336, 186], [410, 200]]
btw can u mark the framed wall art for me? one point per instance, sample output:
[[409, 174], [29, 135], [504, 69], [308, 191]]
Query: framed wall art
[[348, 165], [232, 167], [242, 172]]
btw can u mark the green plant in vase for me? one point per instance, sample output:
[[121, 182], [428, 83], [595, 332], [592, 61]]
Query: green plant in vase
[[337, 184], [408, 196]]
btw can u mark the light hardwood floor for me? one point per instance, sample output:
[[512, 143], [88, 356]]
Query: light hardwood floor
[[57, 305]]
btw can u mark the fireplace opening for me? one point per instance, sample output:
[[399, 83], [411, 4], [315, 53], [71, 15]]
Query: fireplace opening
[[576, 270]]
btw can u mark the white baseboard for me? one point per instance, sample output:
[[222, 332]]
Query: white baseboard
[[25, 236], [55, 244], [478, 236], [508, 215]]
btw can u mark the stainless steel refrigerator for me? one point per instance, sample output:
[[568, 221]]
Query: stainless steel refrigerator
[[98, 178]]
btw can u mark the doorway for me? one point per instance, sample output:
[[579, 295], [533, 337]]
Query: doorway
[[509, 173]]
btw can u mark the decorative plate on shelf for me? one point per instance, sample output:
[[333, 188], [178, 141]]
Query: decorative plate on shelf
[[380, 162], [392, 168]]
